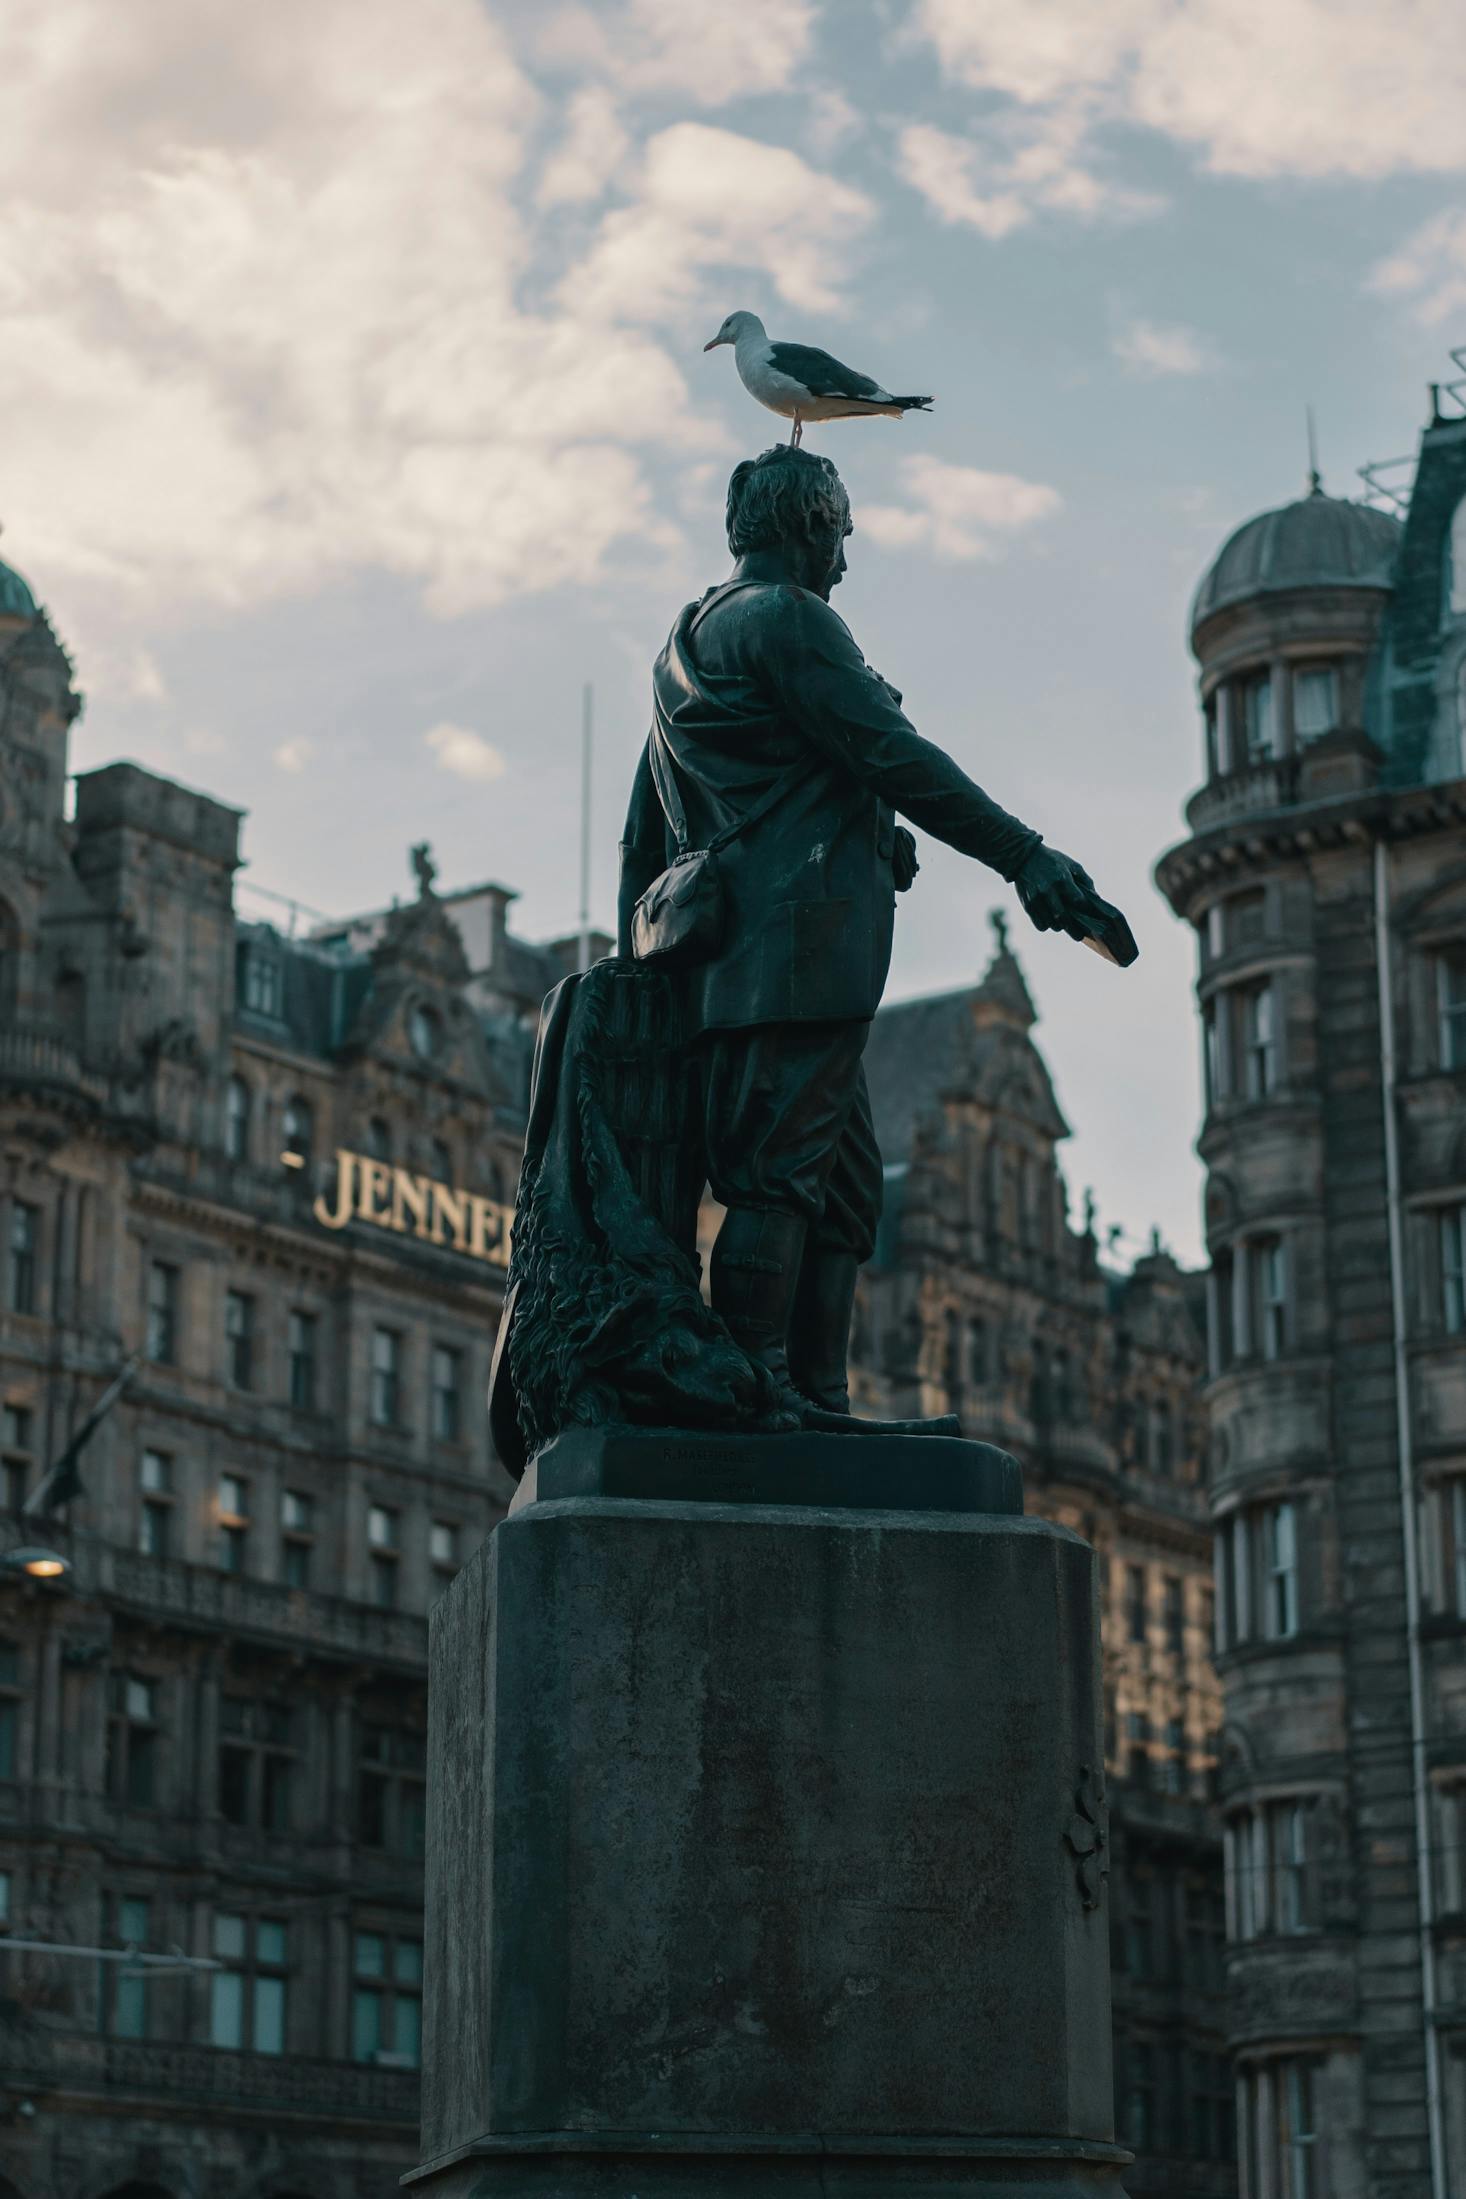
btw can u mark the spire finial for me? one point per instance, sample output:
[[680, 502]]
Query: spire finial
[[1315, 478], [999, 922]]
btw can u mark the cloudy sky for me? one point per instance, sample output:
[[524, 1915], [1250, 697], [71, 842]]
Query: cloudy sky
[[357, 412]]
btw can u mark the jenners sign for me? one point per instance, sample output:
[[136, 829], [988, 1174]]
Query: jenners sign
[[416, 1206]]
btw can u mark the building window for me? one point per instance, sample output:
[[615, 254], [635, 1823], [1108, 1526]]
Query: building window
[[1281, 2146], [1205, 1936], [24, 1240], [233, 1522], [256, 1763], [236, 1119], [1258, 1575], [162, 1336], [239, 1338], [424, 1031], [1138, 1942], [382, 1526], [132, 1741], [386, 2001], [1280, 1549], [1257, 718], [447, 1393], [1256, 1010], [1135, 1611], [297, 1129], [259, 979], [1175, 1614], [379, 1138], [1315, 702], [128, 2015], [1139, 2116], [297, 1530], [1453, 1502], [10, 1700], [440, 1161], [1450, 979], [155, 1521], [390, 1806], [248, 2006], [1268, 1310], [1271, 1868], [1137, 1759], [443, 1547], [1453, 1269], [1450, 1846], [303, 1329], [386, 1392], [15, 1454]]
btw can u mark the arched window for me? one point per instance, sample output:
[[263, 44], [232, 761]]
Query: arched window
[[297, 1127], [1457, 595], [379, 1139], [236, 1119]]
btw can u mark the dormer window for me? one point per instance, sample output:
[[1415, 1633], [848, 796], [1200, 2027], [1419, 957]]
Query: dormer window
[[259, 979], [425, 1032], [1315, 702]]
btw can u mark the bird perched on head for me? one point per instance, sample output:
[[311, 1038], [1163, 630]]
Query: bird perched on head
[[802, 383]]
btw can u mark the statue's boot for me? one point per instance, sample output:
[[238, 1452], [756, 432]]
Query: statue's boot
[[754, 1276], [819, 1330]]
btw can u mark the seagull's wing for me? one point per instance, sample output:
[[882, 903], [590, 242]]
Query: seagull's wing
[[821, 375]]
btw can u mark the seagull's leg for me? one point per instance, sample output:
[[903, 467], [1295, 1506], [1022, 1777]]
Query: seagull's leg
[[798, 436]]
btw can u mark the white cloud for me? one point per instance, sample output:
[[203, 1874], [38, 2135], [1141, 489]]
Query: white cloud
[[292, 755], [266, 276], [957, 512], [466, 754], [593, 147], [708, 55], [1019, 166], [1258, 87], [1154, 347], [1429, 269], [706, 198]]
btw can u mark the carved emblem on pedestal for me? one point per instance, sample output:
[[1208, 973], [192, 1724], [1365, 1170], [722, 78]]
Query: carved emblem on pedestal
[[1087, 1837]]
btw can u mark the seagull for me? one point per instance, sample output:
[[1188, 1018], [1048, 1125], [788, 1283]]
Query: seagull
[[802, 383]]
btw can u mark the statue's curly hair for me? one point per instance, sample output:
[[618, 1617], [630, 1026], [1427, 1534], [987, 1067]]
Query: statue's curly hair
[[784, 494]]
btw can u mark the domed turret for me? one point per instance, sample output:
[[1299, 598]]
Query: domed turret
[[1318, 542], [16, 600]]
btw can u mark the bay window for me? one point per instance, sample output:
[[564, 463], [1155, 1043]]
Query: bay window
[[1315, 702]]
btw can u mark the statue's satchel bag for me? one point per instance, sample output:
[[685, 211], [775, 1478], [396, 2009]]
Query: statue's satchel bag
[[681, 916]]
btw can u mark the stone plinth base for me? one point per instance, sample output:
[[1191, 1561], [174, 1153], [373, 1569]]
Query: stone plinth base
[[766, 1850], [563, 2166]]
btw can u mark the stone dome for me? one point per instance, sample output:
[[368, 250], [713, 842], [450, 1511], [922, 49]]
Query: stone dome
[[1319, 542], [16, 600]]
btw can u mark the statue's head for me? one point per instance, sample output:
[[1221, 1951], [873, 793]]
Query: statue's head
[[794, 502]]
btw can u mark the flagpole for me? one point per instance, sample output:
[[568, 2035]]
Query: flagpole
[[587, 717]]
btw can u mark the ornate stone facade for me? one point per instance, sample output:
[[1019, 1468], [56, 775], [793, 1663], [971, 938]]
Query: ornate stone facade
[[1325, 879], [276, 1171]]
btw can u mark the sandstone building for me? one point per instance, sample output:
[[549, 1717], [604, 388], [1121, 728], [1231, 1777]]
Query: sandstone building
[[272, 1177], [1325, 877]]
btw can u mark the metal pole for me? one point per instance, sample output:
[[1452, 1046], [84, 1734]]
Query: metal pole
[[587, 719], [1405, 1439]]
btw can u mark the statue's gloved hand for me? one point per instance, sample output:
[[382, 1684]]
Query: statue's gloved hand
[[904, 865], [1053, 889]]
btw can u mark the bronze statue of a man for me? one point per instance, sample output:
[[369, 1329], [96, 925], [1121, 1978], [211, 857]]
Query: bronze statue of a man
[[764, 708]]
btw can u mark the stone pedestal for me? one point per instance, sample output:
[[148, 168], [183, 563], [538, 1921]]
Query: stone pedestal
[[765, 1854]]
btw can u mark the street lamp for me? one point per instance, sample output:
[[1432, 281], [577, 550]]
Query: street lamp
[[36, 1563]]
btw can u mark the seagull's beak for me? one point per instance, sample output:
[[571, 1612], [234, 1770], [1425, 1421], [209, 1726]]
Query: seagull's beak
[[715, 343]]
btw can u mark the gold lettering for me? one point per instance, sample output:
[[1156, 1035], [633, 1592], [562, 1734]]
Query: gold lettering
[[450, 1207], [484, 1227], [376, 1181], [345, 1185], [410, 1195]]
